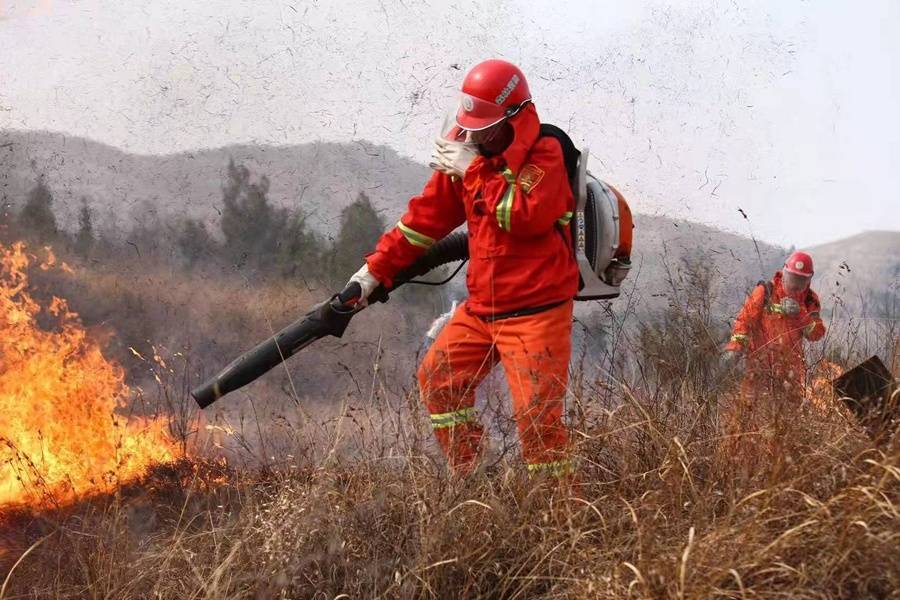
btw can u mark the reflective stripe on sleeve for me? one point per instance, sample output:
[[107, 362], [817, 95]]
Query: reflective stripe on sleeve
[[504, 207], [564, 220], [414, 237]]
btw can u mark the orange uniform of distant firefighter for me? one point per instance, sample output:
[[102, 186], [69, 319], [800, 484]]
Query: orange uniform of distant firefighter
[[509, 185], [771, 328]]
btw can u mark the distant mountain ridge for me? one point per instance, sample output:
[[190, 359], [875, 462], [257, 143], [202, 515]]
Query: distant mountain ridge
[[319, 179], [861, 271]]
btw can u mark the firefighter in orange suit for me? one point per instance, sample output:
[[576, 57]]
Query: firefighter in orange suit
[[770, 330], [510, 187]]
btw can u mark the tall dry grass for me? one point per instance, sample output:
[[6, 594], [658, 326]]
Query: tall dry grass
[[684, 490], [665, 505]]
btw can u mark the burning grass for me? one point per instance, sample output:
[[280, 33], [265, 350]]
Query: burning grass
[[61, 433]]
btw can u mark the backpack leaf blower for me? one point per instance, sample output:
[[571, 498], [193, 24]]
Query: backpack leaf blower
[[600, 231]]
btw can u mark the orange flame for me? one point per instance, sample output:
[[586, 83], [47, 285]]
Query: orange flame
[[60, 434], [819, 392]]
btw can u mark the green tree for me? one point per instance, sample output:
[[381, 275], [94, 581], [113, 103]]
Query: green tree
[[36, 219], [84, 239], [195, 243], [361, 226], [300, 251], [251, 226]]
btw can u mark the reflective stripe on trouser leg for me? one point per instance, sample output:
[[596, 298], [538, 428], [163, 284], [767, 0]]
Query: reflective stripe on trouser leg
[[453, 367], [535, 351], [451, 419], [557, 468]]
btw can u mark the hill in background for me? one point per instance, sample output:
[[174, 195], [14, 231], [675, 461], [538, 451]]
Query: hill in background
[[318, 180], [861, 272]]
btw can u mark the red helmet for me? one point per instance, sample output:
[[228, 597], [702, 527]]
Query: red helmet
[[492, 91], [799, 263]]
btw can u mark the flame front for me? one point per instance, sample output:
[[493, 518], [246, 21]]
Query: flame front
[[60, 434]]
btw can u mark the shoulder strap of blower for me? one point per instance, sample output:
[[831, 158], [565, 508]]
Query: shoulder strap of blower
[[570, 152], [599, 230], [767, 286]]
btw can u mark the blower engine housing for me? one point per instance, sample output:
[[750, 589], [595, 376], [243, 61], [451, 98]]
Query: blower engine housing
[[601, 234], [601, 225]]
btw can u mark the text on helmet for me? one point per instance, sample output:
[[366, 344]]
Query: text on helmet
[[506, 91]]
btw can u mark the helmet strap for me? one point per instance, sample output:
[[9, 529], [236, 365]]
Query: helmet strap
[[514, 109]]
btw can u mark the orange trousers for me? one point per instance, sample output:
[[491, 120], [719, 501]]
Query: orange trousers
[[534, 351]]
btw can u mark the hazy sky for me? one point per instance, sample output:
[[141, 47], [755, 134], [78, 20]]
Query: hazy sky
[[787, 110]]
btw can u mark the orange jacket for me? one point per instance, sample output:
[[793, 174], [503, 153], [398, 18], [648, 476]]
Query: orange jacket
[[515, 205], [772, 338]]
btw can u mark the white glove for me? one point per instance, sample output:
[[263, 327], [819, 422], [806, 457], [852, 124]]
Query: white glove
[[790, 307], [452, 158], [731, 360], [731, 364], [366, 281]]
